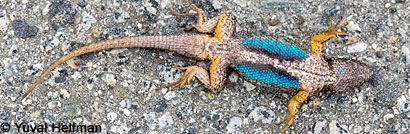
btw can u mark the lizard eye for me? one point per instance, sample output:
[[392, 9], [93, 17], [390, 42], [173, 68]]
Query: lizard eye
[[349, 74]]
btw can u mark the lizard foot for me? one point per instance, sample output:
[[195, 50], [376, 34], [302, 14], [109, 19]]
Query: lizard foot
[[193, 7], [190, 72], [332, 30], [289, 119]]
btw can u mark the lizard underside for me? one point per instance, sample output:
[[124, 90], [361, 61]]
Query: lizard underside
[[264, 60]]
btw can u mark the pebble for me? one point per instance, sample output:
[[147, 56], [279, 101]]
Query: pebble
[[121, 16], [387, 117], [241, 3], [111, 116], [379, 54], [150, 120], [169, 95], [406, 53], [320, 126], [125, 103], [61, 14], [109, 79], [160, 106], [260, 113], [234, 124], [336, 128], [216, 4], [82, 4], [66, 94], [354, 27], [357, 47], [87, 21], [4, 23], [248, 86], [23, 30], [165, 120], [403, 104]]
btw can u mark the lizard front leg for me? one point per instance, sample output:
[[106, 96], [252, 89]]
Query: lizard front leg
[[321, 37], [212, 80]]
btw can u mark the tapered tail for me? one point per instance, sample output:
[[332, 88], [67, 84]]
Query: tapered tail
[[188, 45]]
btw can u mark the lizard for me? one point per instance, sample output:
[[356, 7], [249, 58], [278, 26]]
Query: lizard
[[269, 61]]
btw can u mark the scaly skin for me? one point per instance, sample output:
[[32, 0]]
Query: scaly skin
[[312, 71]]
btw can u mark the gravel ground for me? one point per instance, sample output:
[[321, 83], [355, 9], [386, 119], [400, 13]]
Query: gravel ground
[[114, 88]]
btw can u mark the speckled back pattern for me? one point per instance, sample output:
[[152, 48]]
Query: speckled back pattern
[[278, 46]]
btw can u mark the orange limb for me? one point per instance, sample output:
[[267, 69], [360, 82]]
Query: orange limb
[[294, 104]]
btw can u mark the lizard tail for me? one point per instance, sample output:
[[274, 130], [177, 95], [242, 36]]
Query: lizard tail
[[188, 45]]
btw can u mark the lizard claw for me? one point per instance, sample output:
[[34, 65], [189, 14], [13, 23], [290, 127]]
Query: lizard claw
[[289, 119], [332, 30]]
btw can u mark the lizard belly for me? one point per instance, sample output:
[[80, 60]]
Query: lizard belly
[[313, 72]]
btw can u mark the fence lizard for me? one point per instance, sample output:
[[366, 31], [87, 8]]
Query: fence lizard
[[264, 60]]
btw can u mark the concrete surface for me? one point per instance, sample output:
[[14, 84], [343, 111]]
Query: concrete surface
[[114, 88]]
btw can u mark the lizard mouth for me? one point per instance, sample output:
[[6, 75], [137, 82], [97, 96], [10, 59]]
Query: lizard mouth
[[349, 74]]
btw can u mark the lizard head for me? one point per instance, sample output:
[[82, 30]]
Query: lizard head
[[348, 74]]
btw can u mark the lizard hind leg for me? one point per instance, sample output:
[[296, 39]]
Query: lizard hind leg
[[200, 73], [294, 104], [201, 25]]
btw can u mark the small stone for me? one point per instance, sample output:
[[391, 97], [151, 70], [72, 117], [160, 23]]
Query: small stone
[[109, 79], [165, 120], [61, 14], [66, 94], [86, 22], [248, 86], [23, 30], [81, 4], [387, 58], [387, 5], [354, 100], [357, 47], [111, 116], [160, 106], [400, 1], [234, 124], [406, 53], [189, 131], [4, 23], [260, 113], [5, 115], [125, 103], [320, 127], [150, 120], [169, 95], [336, 128], [354, 27], [387, 117], [241, 3], [274, 20], [121, 16], [126, 112], [379, 54], [392, 10], [403, 104], [216, 4]]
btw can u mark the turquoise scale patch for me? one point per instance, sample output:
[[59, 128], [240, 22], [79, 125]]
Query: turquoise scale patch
[[276, 46], [267, 77]]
